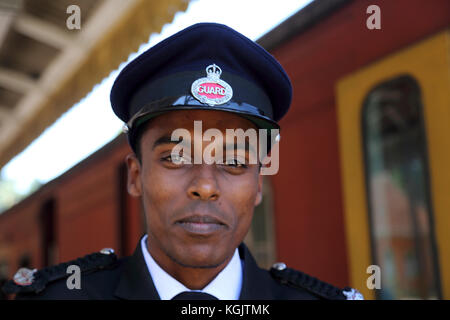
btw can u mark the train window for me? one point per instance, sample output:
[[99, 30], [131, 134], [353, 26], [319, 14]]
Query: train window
[[400, 213], [260, 238]]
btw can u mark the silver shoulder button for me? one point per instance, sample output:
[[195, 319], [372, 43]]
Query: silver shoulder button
[[279, 266], [24, 276], [107, 251], [353, 294]]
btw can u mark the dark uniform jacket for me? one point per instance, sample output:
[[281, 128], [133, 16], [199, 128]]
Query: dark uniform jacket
[[106, 277]]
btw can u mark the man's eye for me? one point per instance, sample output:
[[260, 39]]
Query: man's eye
[[235, 163], [176, 159]]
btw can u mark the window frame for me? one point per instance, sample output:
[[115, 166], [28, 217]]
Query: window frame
[[424, 149]]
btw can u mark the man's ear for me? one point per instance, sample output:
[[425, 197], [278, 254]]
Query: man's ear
[[134, 184], [259, 191]]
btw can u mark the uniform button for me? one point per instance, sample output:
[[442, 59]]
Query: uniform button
[[107, 251], [279, 266]]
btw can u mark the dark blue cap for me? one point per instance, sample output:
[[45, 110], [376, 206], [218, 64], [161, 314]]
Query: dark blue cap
[[205, 66]]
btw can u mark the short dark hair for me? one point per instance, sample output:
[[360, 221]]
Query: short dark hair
[[135, 138]]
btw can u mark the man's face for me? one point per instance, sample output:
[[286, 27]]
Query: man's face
[[197, 214]]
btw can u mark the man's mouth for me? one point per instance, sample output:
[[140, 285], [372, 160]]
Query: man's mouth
[[201, 224]]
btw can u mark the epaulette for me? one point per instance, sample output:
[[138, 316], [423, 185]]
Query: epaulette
[[298, 279], [34, 281]]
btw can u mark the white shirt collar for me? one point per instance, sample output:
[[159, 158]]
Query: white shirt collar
[[225, 286]]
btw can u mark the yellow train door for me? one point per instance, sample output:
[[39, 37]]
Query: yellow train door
[[394, 134]]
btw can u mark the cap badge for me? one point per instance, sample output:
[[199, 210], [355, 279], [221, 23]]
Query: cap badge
[[212, 90]]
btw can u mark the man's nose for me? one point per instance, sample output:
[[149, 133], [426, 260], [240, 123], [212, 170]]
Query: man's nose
[[204, 184]]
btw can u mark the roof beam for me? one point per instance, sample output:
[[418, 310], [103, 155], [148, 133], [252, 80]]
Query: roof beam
[[9, 9], [5, 23], [42, 31], [16, 81]]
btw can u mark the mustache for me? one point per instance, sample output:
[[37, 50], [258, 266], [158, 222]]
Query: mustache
[[201, 213]]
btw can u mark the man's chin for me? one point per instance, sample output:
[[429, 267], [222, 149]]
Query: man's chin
[[205, 259]]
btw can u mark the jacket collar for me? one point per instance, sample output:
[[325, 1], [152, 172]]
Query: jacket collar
[[257, 282], [136, 282]]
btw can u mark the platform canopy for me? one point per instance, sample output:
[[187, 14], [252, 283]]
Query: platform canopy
[[45, 68]]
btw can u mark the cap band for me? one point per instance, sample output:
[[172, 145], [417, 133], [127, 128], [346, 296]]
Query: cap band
[[188, 102], [174, 90]]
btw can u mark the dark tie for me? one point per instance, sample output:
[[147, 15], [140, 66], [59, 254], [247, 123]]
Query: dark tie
[[194, 295]]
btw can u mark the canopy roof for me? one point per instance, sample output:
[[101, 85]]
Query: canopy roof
[[45, 68]]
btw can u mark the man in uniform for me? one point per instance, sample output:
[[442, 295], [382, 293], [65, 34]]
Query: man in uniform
[[197, 213]]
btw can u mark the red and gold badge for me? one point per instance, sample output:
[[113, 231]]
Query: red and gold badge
[[212, 90]]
